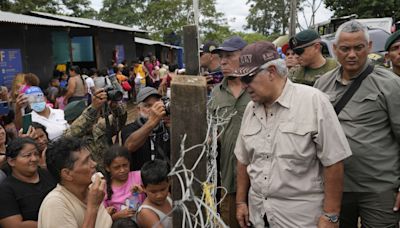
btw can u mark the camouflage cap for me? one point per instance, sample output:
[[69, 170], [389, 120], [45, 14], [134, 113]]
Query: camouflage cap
[[392, 39], [74, 109], [255, 55], [303, 38]]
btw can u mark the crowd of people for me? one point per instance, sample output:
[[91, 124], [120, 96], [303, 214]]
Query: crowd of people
[[314, 142]]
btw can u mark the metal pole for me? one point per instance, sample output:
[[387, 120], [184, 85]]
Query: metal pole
[[196, 14], [293, 16]]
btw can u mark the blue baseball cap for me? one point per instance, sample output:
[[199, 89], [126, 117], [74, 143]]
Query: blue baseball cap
[[235, 43]]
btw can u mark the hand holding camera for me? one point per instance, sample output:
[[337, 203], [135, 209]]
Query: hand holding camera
[[99, 99], [157, 112]]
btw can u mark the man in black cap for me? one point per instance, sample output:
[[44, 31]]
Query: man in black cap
[[306, 45], [392, 46], [226, 98], [148, 137], [209, 61]]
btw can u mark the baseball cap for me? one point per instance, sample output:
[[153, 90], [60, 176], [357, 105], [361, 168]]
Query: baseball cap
[[303, 38], [209, 46], [255, 55], [74, 109], [392, 39], [234, 43], [146, 92]]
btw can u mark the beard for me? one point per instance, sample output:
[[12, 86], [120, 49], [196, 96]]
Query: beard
[[143, 115]]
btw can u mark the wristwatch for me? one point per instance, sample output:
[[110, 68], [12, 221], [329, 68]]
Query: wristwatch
[[333, 218]]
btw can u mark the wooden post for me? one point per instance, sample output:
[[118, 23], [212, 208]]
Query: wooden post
[[188, 116], [191, 47]]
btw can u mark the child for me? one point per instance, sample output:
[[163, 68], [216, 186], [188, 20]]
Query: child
[[60, 99], [158, 205], [120, 182]]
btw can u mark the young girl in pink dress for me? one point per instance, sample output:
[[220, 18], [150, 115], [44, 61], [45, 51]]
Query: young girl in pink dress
[[122, 184]]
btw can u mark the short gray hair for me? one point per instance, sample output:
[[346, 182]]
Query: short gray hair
[[350, 27], [279, 64]]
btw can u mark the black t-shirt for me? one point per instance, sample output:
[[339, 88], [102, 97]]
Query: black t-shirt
[[20, 198], [162, 146]]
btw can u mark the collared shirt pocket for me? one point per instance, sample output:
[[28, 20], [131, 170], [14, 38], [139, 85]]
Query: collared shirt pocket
[[295, 145], [363, 107], [252, 138]]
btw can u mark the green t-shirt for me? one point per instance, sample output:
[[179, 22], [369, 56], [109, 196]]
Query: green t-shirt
[[308, 76]]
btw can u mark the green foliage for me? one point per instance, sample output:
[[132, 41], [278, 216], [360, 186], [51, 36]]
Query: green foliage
[[269, 16], [78, 8], [163, 17], [365, 8]]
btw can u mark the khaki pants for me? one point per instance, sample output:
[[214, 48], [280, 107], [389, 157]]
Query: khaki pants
[[228, 210]]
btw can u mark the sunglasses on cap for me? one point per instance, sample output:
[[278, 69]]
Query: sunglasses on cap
[[250, 77], [300, 50]]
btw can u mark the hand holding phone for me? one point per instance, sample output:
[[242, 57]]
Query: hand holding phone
[[26, 122]]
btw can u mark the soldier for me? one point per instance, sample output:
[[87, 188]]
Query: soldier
[[392, 46], [371, 122], [87, 123], [307, 46]]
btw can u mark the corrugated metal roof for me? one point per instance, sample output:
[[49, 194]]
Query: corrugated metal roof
[[153, 42], [146, 41], [31, 20], [87, 21]]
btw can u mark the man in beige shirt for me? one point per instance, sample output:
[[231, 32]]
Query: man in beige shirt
[[73, 203], [289, 149]]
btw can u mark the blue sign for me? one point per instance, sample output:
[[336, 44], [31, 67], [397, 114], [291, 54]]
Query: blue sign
[[10, 65]]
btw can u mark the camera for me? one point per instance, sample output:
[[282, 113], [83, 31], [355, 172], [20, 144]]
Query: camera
[[114, 91], [113, 94], [167, 104]]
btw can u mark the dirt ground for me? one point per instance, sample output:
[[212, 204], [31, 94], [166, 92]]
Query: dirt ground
[[132, 112]]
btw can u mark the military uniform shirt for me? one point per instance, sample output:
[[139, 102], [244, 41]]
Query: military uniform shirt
[[223, 103], [371, 122], [308, 76]]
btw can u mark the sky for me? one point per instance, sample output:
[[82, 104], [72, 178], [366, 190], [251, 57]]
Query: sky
[[237, 10]]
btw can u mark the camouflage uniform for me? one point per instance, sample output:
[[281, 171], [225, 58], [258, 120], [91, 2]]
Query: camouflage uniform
[[93, 129], [308, 76]]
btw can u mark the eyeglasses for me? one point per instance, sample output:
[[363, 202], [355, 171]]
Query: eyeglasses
[[300, 50], [250, 77]]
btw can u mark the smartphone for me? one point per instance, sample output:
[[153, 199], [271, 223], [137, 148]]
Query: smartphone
[[217, 77], [26, 122], [4, 109]]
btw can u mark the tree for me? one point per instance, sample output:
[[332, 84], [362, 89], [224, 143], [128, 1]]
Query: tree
[[123, 12], [269, 16], [314, 5], [78, 8], [23, 6], [365, 8], [164, 17]]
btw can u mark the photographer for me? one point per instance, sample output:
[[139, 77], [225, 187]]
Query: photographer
[[89, 123], [148, 137]]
